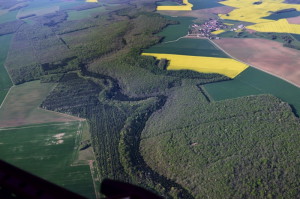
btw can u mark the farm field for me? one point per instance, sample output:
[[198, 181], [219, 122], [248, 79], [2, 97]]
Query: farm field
[[5, 82], [203, 4], [9, 16], [21, 106], [186, 6], [296, 36], [175, 132], [173, 32], [294, 20], [187, 46], [266, 55], [280, 26], [276, 16], [249, 12], [252, 82], [48, 151], [225, 66], [218, 32]]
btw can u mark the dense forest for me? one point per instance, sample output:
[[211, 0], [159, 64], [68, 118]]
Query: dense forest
[[150, 126]]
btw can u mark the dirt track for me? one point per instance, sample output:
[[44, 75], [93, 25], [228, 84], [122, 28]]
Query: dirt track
[[269, 56]]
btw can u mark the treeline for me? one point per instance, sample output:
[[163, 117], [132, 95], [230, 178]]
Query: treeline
[[132, 160], [48, 72], [102, 77], [115, 127]]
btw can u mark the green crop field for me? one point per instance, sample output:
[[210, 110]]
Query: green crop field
[[173, 32], [276, 16], [252, 82], [10, 16], [48, 151], [194, 47], [5, 82], [202, 4], [296, 36], [78, 15]]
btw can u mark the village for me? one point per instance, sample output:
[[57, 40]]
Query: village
[[208, 28]]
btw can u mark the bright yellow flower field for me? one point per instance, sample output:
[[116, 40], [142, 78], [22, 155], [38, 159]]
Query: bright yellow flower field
[[280, 26], [247, 11], [91, 1], [187, 6], [225, 66], [218, 32]]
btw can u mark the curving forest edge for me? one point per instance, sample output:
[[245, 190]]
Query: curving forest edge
[[146, 121]]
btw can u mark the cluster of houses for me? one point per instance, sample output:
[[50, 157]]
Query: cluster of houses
[[206, 29], [239, 27]]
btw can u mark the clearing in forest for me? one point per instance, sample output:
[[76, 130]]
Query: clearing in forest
[[225, 66]]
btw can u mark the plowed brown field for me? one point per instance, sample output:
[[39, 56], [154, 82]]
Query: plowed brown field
[[266, 55]]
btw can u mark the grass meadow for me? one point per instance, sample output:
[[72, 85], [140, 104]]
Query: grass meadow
[[5, 82], [202, 4], [253, 82], [48, 151]]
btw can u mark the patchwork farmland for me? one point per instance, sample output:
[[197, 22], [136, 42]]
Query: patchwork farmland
[[226, 131], [49, 151]]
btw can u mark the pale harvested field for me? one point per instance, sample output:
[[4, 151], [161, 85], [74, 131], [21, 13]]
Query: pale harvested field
[[267, 55], [199, 13], [294, 20], [21, 106]]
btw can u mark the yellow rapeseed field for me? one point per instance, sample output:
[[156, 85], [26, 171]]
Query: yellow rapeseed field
[[247, 11], [187, 6], [280, 26], [225, 66], [218, 32], [91, 1]]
